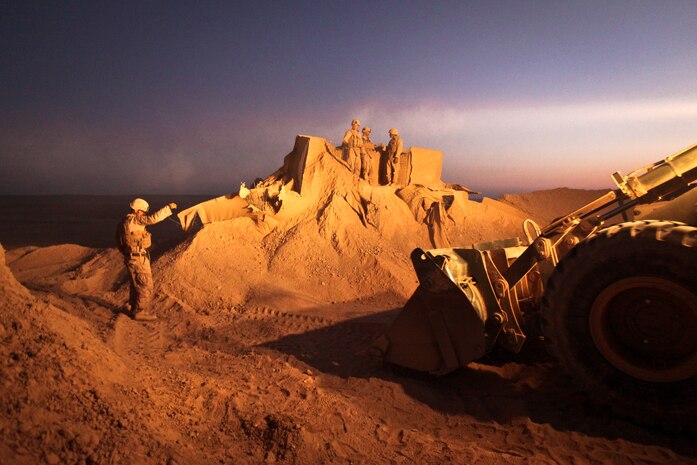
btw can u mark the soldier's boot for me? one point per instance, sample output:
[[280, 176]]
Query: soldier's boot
[[144, 316]]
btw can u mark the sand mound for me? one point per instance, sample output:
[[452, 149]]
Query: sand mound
[[343, 243], [258, 384], [545, 206], [57, 376], [73, 393], [87, 270], [262, 350]]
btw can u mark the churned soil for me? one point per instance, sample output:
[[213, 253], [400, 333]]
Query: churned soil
[[262, 352]]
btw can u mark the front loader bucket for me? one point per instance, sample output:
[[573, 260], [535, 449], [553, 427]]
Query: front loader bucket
[[441, 327]]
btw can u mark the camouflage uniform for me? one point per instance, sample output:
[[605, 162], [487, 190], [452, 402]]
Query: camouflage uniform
[[367, 155], [353, 149], [134, 241], [394, 150]]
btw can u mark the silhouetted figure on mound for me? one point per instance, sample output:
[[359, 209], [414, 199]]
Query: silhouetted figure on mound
[[365, 132], [394, 152], [368, 155], [353, 147], [133, 241]]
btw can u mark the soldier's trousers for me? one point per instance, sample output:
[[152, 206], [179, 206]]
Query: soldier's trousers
[[366, 166], [352, 156], [392, 170], [140, 277]]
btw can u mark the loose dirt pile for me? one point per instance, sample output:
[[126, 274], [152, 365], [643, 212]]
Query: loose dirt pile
[[342, 243], [262, 351], [545, 206]]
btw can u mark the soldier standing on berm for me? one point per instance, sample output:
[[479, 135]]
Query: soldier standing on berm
[[133, 241], [367, 155], [394, 152], [353, 147]]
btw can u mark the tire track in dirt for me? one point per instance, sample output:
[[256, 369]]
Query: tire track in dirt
[[258, 384], [151, 339], [134, 339]]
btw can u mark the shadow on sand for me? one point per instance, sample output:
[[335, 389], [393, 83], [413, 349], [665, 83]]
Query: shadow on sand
[[497, 388]]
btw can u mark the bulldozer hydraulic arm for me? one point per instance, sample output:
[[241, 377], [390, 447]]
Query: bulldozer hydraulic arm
[[649, 184], [470, 299]]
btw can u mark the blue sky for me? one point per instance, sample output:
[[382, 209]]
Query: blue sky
[[194, 97]]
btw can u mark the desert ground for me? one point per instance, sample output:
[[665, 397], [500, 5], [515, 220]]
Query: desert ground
[[262, 352]]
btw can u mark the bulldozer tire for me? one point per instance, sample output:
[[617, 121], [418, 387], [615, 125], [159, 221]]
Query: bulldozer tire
[[620, 315]]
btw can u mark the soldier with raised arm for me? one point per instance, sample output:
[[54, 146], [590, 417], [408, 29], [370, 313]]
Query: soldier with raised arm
[[133, 241]]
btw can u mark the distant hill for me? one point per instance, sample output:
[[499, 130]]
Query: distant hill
[[544, 206]]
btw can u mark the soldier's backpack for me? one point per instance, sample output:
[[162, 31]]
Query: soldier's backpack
[[121, 236], [131, 241]]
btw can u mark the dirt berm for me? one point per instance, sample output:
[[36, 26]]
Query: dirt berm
[[262, 350]]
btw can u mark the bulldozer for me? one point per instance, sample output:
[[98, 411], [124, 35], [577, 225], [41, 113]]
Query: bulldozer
[[611, 291]]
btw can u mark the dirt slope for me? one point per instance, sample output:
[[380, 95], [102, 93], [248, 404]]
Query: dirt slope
[[545, 206], [344, 243], [260, 385], [262, 353]]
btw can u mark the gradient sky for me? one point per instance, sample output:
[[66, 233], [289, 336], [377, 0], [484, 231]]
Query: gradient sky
[[195, 97]]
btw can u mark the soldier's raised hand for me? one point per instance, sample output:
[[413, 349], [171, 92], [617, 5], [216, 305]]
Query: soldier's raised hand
[[172, 206]]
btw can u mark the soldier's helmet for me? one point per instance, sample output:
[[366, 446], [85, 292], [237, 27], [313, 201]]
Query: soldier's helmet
[[355, 121], [139, 204], [393, 132], [366, 129]]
